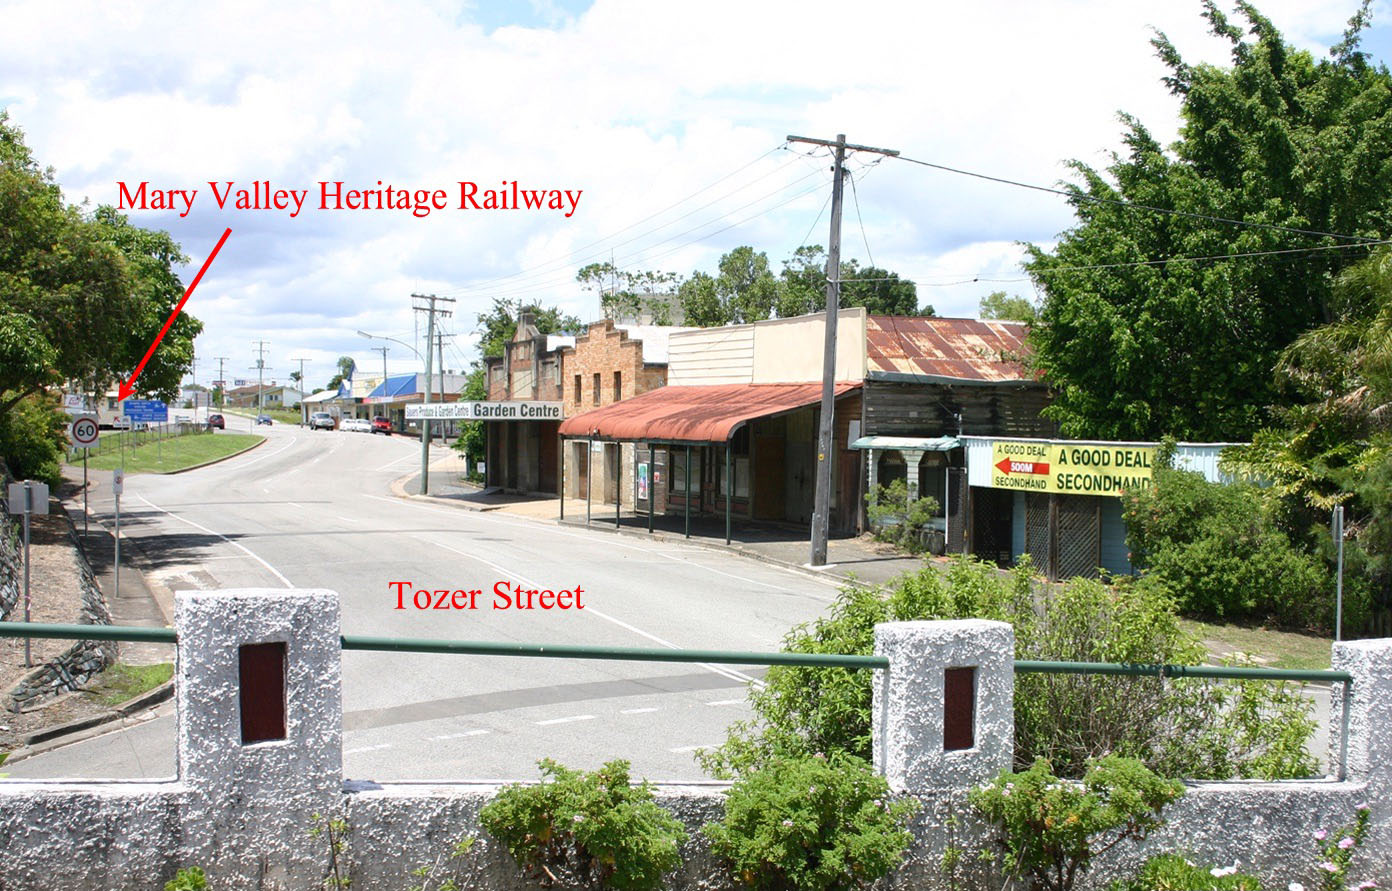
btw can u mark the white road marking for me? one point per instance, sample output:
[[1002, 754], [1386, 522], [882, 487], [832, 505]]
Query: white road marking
[[348, 519], [367, 749], [275, 572], [295, 504], [727, 702], [636, 711], [682, 749], [239, 465], [569, 720], [459, 735], [392, 464]]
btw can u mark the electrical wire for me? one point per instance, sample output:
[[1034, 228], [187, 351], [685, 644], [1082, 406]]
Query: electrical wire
[[1080, 196], [855, 198]]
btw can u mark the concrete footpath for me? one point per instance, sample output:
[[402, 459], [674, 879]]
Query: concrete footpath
[[859, 559]]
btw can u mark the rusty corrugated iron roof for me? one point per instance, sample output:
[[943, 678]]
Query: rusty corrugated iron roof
[[694, 414], [914, 347]]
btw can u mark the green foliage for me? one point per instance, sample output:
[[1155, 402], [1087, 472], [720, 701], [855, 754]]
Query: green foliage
[[898, 520], [497, 326], [334, 831], [802, 287], [1337, 849], [1191, 728], [1187, 347], [187, 879], [1052, 829], [1218, 548], [591, 828], [472, 442], [815, 822], [1173, 872], [32, 439], [999, 305], [631, 293], [454, 870]]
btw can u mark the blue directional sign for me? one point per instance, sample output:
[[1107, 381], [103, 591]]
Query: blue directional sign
[[146, 411]]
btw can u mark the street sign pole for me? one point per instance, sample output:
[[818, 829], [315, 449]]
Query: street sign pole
[[84, 497], [1339, 577], [118, 483], [28, 498], [28, 660]]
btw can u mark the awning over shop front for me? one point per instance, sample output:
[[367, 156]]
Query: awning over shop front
[[917, 443], [694, 414]]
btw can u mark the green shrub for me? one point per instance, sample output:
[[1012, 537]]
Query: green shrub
[[898, 520], [1172, 872], [813, 823], [32, 438], [187, 879], [587, 828], [1191, 728], [1218, 547], [1051, 829]]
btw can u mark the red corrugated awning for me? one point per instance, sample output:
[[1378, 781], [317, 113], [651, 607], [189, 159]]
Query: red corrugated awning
[[694, 414]]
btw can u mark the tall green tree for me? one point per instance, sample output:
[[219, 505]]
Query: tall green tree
[[626, 292], [802, 287], [1002, 306], [1136, 347], [497, 326]]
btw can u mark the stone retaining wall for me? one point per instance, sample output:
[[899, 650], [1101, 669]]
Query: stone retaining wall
[[241, 811]]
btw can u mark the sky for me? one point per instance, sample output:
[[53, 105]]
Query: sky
[[668, 119]]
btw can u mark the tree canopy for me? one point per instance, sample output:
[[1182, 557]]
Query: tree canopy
[[497, 326], [1141, 333], [999, 305]]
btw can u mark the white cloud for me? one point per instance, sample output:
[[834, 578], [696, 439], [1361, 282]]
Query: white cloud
[[638, 104]]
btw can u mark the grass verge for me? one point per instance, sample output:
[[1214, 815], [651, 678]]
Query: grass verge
[[121, 682], [176, 454], [1272, 649]]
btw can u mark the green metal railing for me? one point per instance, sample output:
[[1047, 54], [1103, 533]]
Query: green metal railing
[[645, 654]]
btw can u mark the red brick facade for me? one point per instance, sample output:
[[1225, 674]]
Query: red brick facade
[[606, 351]]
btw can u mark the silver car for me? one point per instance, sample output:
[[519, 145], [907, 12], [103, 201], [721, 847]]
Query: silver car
[[321, 420]]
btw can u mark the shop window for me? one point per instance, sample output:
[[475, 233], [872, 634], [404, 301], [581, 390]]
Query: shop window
[[677, 468], [595, 394], [618, 386], [577, 390], [891, 467], [932, 477]]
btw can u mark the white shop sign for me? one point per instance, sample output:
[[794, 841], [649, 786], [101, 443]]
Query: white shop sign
[[486, 411]]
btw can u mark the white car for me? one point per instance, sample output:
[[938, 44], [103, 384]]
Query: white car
[[356, 425]]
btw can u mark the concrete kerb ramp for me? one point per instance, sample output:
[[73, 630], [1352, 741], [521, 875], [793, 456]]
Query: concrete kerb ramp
[[260, 751]]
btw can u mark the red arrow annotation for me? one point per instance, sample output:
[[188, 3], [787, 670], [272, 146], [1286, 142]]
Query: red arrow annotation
[[1007, 467], [128, 387]]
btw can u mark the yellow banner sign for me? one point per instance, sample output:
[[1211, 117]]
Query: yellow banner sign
[[1071, 469]]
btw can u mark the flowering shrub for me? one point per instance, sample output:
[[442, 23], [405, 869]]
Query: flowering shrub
[[586, 828], [1052, 828], [811, 823], [1336, 851]]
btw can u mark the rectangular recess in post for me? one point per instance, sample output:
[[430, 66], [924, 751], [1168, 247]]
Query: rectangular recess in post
[[959, 708], [262, 671]]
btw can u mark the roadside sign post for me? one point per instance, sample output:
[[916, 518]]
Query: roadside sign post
[[84, 433], [28, 498], [148, 412], [1339, 576], [118, 483]]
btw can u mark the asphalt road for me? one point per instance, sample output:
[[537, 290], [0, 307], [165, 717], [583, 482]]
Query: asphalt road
[[314, 510]]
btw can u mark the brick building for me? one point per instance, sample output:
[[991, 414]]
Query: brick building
[[607, 364], [523, 455]]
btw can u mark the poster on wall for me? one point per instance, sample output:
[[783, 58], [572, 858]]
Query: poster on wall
[[1071, 468], [643, 482]]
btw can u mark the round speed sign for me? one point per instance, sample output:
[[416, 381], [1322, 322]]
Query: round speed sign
[[83, 431]]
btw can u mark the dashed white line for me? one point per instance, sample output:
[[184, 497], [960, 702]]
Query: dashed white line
[[275, 572], [459, 735], [367, 749], [569, 720], [636, 711], [682, 749], [727, 702]]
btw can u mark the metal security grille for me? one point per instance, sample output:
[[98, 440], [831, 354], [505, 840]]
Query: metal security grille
[[990, 516], [1079, 542], [1037, 527]]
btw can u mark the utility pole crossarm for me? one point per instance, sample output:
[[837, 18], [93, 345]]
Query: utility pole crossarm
[[846, 146]]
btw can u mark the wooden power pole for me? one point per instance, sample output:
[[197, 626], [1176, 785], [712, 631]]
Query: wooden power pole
[[826, 447]]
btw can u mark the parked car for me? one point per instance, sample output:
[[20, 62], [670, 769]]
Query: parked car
[[381, 425], [263, 419], [216, 421], [321, 420]]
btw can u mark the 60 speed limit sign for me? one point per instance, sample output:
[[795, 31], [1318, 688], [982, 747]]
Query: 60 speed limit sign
[[83, 431]]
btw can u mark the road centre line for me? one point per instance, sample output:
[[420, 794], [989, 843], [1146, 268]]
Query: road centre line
[[367, 749], [458, 735], [275, 572], [730, 673], [727, 702], [231, 465], [651, 551], [570, 720], [636, 711]]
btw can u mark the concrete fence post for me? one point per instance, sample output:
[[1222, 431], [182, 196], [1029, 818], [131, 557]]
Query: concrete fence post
[[260, 721], [1364, 709], [943, 712]]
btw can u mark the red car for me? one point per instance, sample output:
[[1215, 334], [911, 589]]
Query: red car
[[381, 425]]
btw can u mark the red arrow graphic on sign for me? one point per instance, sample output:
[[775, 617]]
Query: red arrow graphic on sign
[[1007, 467], [128, 387]]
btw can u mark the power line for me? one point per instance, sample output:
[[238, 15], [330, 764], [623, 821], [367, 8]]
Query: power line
[[855, 199], [1130, 205]]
